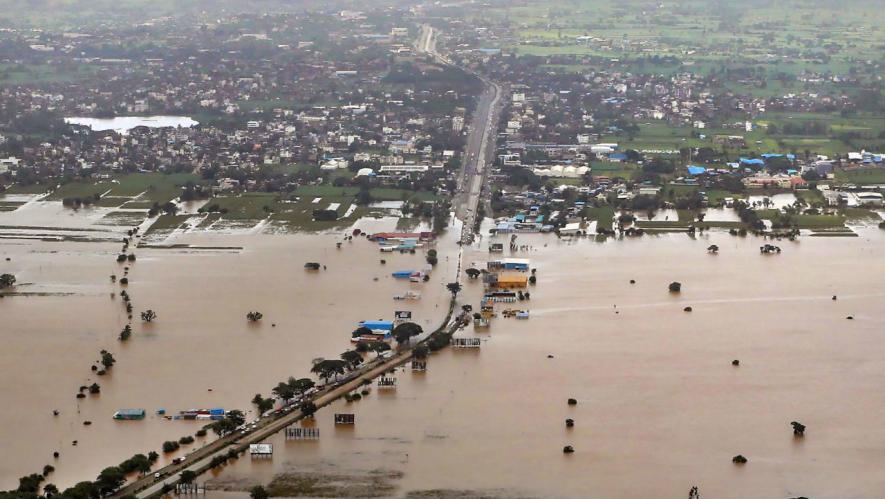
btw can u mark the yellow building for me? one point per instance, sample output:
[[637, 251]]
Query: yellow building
[[512, 280]]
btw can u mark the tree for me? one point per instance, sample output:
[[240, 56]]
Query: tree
[[254, 316], [83, 490], [284, 391], [110, 479], [7, 281], [379, 346], [148, 315], [361, 331], [50, 490], [263, 404], [107, 360], [258, 492], [675, 287], [472, 273], [404, 332], [126, 332], [352, 358], [308, 408], [29, 484], [454, 288], [188, 476], [231, 421], [301, 385], [328, 367]]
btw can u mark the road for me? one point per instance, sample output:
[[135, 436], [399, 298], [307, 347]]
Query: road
[[480, 150], [471, 179], [199, 460]]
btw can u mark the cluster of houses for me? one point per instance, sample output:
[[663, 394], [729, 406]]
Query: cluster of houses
[[338, 117]]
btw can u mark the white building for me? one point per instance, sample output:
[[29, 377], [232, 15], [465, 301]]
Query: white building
[[404, 168]]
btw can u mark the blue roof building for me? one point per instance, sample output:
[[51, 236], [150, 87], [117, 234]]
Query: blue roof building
[[377, 325]]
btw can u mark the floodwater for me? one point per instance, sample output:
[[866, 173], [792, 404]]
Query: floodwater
[[660, 406], [122, 124], [200, 352]]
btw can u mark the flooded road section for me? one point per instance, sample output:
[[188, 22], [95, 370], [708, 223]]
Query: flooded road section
[[660, 406], [200, 352]]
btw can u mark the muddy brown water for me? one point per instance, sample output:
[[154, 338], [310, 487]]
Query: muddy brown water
[[200, 352], [660, 406]]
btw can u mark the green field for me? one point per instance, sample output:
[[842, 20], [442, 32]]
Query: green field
[[147, 187], [862, 176], [20, 74]]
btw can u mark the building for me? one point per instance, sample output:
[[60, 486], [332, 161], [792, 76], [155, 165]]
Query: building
[[404, 168], [507, 280], [377, 326], [129, 414], [519, 264]]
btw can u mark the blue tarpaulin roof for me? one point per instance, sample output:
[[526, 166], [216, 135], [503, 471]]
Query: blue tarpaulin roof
[[748, 161], [696, 170], [377, 325]]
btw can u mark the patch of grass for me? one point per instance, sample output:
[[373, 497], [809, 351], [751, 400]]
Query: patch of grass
[[247, 206], [28, 189], [862, 176], [168, 223], [80, 190], [860, 214], [157, 187]]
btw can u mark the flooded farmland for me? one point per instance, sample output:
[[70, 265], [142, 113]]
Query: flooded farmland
[[200, 351], [657, 392], [660, 406]]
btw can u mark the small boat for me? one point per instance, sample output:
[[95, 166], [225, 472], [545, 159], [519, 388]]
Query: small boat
[[402, 274]]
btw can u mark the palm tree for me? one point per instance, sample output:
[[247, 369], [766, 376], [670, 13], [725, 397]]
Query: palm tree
[[454, 288]]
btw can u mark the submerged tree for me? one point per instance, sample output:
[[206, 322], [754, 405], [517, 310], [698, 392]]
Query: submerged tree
[[258, 492], [107, 359], [148, 315], [254, 316], [7, 281]]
